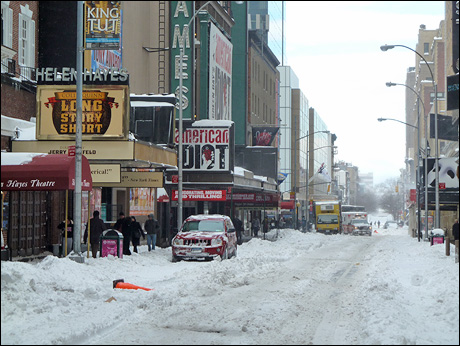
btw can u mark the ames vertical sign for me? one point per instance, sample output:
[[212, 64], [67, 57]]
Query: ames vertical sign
[[182, 12]]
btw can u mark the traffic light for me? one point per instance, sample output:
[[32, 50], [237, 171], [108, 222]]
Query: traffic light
[[396, 188]]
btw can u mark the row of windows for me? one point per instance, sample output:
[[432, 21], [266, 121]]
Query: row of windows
[[264, 110], [266, 82]]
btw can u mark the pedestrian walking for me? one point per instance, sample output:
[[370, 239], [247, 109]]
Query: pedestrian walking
[[97, 226], [455, 230], [119, 223], [136, 233], [265, 225], [239, 228], [255, 226], [69, 232], [304, 224], [378, 224], [152, 228], [126, 231]]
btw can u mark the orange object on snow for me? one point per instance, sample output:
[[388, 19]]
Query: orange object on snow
[[124, 285], [375, 231]]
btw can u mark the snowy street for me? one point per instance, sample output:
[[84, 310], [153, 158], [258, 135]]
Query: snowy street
[[303, 288]]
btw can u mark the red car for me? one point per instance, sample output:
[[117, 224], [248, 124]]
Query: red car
[[205, 237]]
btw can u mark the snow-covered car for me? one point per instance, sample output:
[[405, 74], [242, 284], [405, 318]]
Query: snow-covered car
[[361, 227], [390, 224], [205, 237]]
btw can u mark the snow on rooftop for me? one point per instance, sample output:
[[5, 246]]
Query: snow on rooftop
[[212, 123]]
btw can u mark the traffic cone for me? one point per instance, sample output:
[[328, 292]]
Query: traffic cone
[[124, 285], [375, 231]]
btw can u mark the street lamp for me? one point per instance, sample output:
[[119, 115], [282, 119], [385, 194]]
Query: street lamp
[[419, 157], [386, 47], [307, 171], [180, 158]]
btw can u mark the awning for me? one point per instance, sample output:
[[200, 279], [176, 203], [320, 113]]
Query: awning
[[42, 172], [287, 204], [162, 195]]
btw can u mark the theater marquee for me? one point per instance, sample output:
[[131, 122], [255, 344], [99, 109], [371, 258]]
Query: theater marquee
[[105, 112]]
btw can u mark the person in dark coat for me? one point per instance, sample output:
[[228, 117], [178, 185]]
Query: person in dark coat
[[152, 228], [119, 222], [136, 233], [61, 226], [97, 226], [126, 231], [455, 230], [239, 230]]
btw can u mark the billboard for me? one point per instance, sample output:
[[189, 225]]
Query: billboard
[[447, 173], [446, 130], [263, 136], [105, 111], [102, 25], [220, 75], [206, 149]]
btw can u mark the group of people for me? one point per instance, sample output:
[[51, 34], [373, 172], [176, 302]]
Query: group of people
[[132, 232], [128, 226]]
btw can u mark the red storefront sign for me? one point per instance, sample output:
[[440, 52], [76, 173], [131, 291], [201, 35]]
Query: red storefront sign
[[413, 195], [201, 195]]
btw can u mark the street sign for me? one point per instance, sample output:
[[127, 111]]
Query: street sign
[[71, 151], [442, 186]]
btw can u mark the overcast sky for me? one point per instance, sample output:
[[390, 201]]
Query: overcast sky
[[334, 49]]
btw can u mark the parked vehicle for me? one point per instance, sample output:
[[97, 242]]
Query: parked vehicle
[[327, 216], [390, 224], [205, 237], [361, 227]]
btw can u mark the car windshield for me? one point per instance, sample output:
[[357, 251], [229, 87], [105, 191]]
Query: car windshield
[[359, 221], [322, 219], [203, 225]]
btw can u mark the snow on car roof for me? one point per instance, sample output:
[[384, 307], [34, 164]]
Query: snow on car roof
[[207, 217]]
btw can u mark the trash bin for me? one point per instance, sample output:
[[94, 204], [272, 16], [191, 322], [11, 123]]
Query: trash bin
[[112, 243], [436, 236], [436, 239]]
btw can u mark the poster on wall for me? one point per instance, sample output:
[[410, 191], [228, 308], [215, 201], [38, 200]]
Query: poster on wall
[[141, 201], [220, 75], [106, 59], [102, 25]]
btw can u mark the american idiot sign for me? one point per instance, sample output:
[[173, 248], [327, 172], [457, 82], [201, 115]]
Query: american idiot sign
[[205, 149]]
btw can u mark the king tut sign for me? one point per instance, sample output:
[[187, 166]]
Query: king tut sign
[[104, 109]]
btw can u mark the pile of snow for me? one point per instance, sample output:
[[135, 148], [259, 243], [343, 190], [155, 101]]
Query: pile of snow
[[404, 292]]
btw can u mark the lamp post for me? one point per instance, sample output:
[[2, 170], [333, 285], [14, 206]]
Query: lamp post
[[386, 47], [307, 171], [419, 157]]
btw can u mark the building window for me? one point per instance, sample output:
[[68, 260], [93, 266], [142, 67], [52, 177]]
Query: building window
[[7, 25], [426, 48], [26, 42]]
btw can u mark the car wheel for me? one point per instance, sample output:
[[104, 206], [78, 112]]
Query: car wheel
[[175, 259], [236, 252]]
